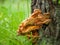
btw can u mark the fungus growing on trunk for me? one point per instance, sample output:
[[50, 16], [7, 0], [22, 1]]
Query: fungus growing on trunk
[[33, 23]]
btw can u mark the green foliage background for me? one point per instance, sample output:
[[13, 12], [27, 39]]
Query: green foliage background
[[12, 12]]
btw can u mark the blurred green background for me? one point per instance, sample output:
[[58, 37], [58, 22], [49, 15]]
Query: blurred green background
[[12, 12]]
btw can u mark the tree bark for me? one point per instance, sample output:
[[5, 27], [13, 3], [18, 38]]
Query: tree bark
[[48, 35]]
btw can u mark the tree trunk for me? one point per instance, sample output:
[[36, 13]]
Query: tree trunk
[[48, 35]]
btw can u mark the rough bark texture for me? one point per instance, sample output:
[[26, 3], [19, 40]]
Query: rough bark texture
[[48, 35]]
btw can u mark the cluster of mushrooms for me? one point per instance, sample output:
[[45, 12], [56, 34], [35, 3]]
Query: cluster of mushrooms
[[33, 23]]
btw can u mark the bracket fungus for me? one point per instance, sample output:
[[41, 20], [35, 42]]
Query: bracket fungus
[[33, 23]]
